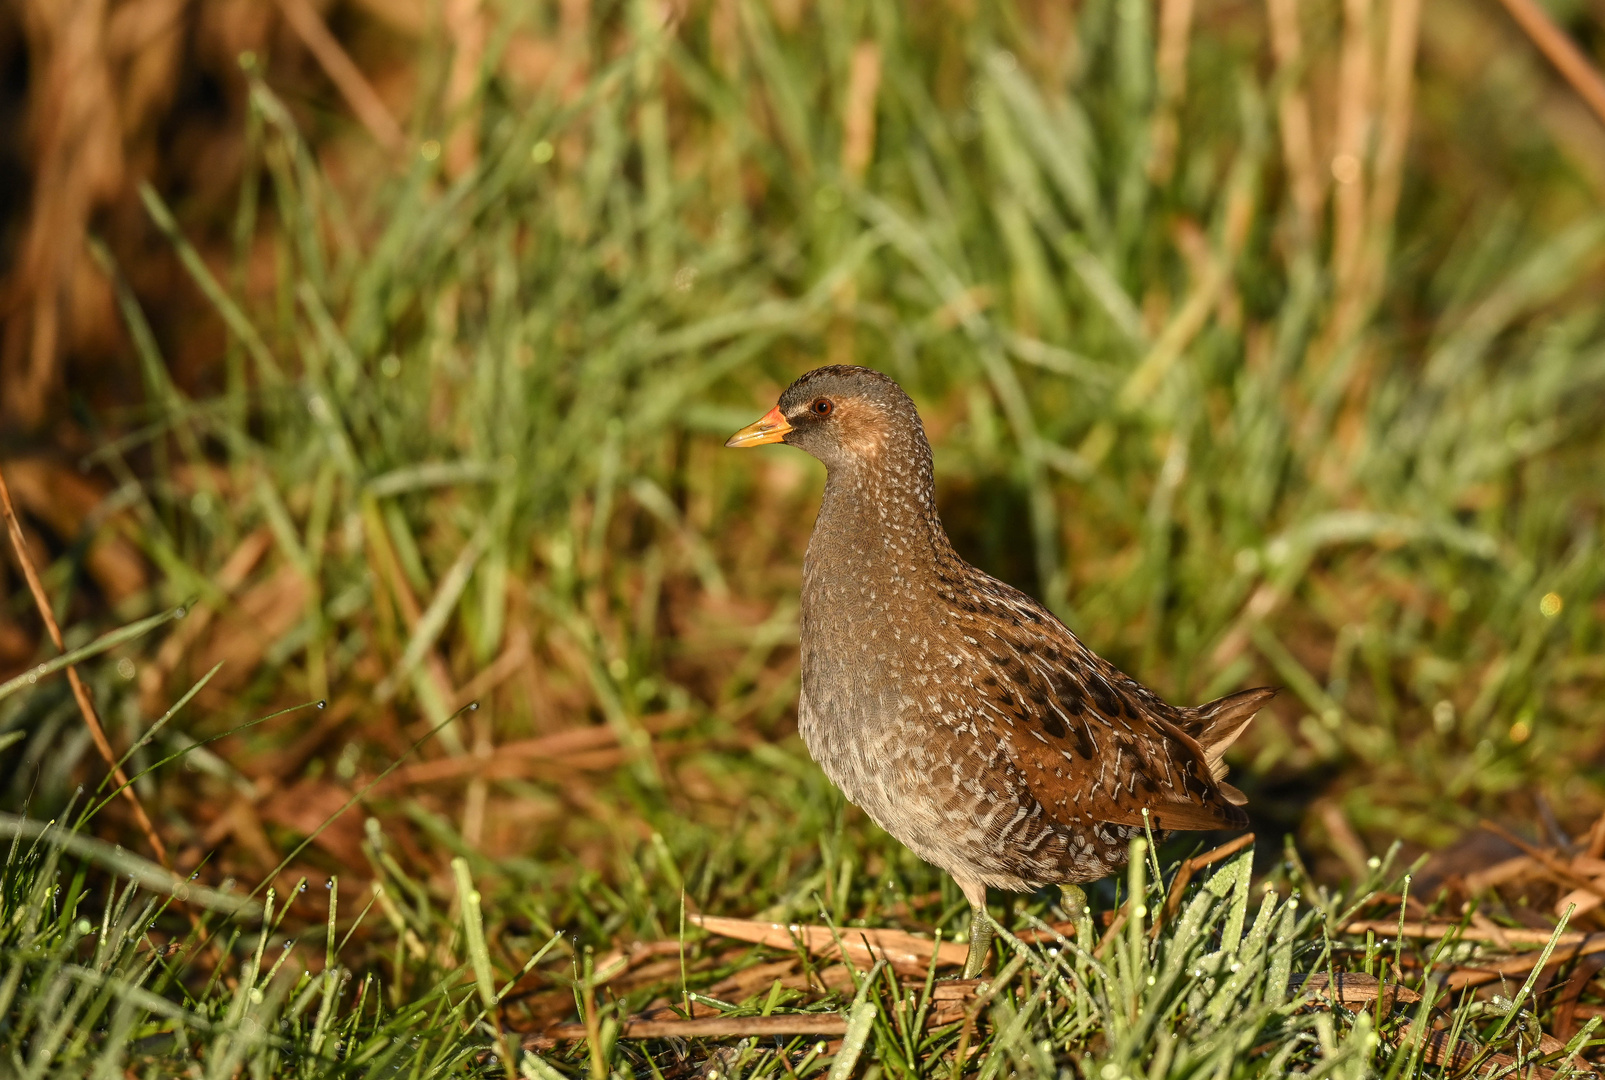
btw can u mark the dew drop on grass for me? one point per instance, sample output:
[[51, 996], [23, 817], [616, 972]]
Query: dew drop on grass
[[322, 703], [301, 887], [329, 884]]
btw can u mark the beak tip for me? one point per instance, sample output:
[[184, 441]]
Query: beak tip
[[772, 428]]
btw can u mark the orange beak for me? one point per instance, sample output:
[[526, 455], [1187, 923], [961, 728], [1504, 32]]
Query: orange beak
[[772, 428]]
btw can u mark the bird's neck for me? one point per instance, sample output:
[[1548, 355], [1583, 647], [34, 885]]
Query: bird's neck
[[880, 512]]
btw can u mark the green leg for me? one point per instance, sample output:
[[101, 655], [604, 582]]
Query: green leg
[[980, 941], [1073, 902]]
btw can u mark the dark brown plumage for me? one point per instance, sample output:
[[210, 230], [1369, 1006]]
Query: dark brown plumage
[[959, 714]]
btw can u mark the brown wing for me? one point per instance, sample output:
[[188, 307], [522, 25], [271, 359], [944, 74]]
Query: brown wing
[[1091, 744]]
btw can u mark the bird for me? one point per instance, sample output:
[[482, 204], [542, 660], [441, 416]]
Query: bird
[[956, 711]]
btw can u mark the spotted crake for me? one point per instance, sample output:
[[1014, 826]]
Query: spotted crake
[[961, 716]]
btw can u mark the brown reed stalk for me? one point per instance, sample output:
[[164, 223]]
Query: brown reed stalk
[[1569, 60], [79, 691], [465, 26], [344, 73], [1170, 63], [1393, 136], [1354, 107], [858, 119], [1293, 118]]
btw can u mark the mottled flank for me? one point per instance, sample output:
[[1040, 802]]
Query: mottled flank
[[960, 715]]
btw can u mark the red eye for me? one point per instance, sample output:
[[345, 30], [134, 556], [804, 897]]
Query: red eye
[[822, 407]]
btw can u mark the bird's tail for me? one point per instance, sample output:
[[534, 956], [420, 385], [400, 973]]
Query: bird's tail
[[1218, 724]]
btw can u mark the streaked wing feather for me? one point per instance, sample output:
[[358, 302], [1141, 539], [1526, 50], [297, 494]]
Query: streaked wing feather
[[1092, 744]]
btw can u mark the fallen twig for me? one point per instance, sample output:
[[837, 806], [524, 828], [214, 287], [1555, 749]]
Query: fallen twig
[[344, 73], [906, 953], [950, 1003], [1353, 988], [958, 1001], [1184, 875], [1486, 971], [963, 1001], [714, 1027], [80, 692], [1554, 864], [1571, 994], [1561, 51], [1498, 935]]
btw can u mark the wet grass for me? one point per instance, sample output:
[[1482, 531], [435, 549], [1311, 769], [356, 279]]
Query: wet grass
[[1234, 419]]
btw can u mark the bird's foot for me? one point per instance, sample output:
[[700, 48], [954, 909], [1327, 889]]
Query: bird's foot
[[1072, 903]]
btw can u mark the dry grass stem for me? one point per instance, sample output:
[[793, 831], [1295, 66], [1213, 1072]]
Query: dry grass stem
[[1293, 117], [903, 951], [344, 73], [1437, 1046], [1569, 60], [1435, 931], [1348, 165], [1393, 137], [715, 1027], [858, 120], [1184, 875], [80, 692], [1170, 70]]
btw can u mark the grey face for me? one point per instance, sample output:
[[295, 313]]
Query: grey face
[[843, 415]]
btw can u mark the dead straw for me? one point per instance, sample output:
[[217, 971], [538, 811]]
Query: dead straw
[[80, 692], [344, 73], [1568, 59], [1293, 117], [714, 1027], [1438, 1047], [1178, 885]]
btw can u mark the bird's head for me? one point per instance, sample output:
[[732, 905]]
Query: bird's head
[[844, 416]]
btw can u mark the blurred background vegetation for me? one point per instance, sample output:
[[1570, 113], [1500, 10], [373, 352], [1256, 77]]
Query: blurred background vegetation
[[398, 339]]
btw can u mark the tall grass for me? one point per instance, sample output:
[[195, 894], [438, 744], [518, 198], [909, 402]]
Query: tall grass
[[1223, 439], [467, 444]]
